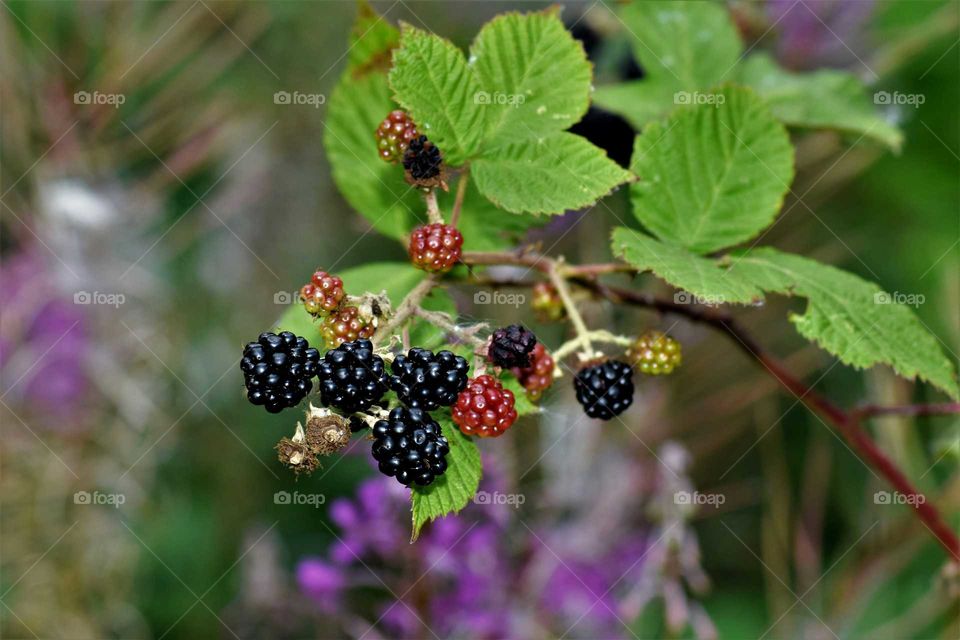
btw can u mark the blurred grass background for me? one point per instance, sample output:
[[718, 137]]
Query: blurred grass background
[[200, 199]]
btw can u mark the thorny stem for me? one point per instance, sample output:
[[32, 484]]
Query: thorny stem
[[443, 321], [433, 210], [461, 193], [848, 423]]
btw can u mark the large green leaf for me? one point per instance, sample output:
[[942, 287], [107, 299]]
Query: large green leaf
[[639, 101], [704, 278], [823, 99], [371, 40], [454, 489], [549, 175], [691, 44], [712, 175], [851, 318], [374, 188], [535, 77], [431, 80]]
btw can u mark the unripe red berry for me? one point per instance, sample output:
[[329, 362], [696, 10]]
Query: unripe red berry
[[484, 408], [394, 135], [435, 247], [346, 325], [538, 377], [323, 294]]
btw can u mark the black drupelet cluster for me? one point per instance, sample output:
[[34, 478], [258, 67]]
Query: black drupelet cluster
[[605, 390], [277, 370], [424, 380], [422, 159], [511, 347], [408, 445], [352, 377]]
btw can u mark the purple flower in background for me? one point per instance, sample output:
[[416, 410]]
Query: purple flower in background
[[322, 582], [43, 341], [825, 33]]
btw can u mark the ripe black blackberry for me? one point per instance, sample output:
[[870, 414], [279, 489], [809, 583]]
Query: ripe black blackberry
[[352, 377], [422, 159], [511, 347], [409, 446], [277, 370], [605, 389], [425, 380]]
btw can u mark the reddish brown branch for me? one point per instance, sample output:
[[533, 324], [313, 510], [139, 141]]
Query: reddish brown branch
[[845, 422]]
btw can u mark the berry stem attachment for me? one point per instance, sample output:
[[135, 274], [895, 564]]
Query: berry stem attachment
[[433, 210], [408, 306], [461, 194], [600, 335], [579, 326]]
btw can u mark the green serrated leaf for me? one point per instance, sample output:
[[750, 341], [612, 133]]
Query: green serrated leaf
[[550, 175], [825, 99], [431, 80], [522, 404], [534, 75], [851, 318], [699, 276], [454, 489], [712, 175], [371, 40], [374, 188], [691, 44]]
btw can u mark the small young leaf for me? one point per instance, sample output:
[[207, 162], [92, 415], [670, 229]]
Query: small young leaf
[[371, 40], [851, 318], [714, 174], [823, 99], [431, 80], [453, 490], [549, 175], [702, 277], [373, 187], [535, 77]]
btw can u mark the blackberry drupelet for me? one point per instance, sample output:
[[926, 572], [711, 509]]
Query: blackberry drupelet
[[277, 370], [605, 389], [352, 377], [409, 446], [422, 159], [425, 380], [511, 347]]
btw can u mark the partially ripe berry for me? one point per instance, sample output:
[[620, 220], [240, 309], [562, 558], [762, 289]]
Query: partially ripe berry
[[604, 390], [346, 325], [655, 354], [394, 135], [435, 247], [323, 294], [546, 303], [538, 377], [484, 408], [511, 346]]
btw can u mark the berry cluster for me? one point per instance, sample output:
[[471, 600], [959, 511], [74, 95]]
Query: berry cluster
[[277, 370], [394, 135], [346, 325], [511, 347], [435, 247], [424, 380], [323, 294], [655, 354], [538, 377], [605, 389], [352, 377], [408, 445], [484, 408]]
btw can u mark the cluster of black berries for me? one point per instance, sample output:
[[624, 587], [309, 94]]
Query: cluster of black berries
[[277, 370], [408, 444]]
